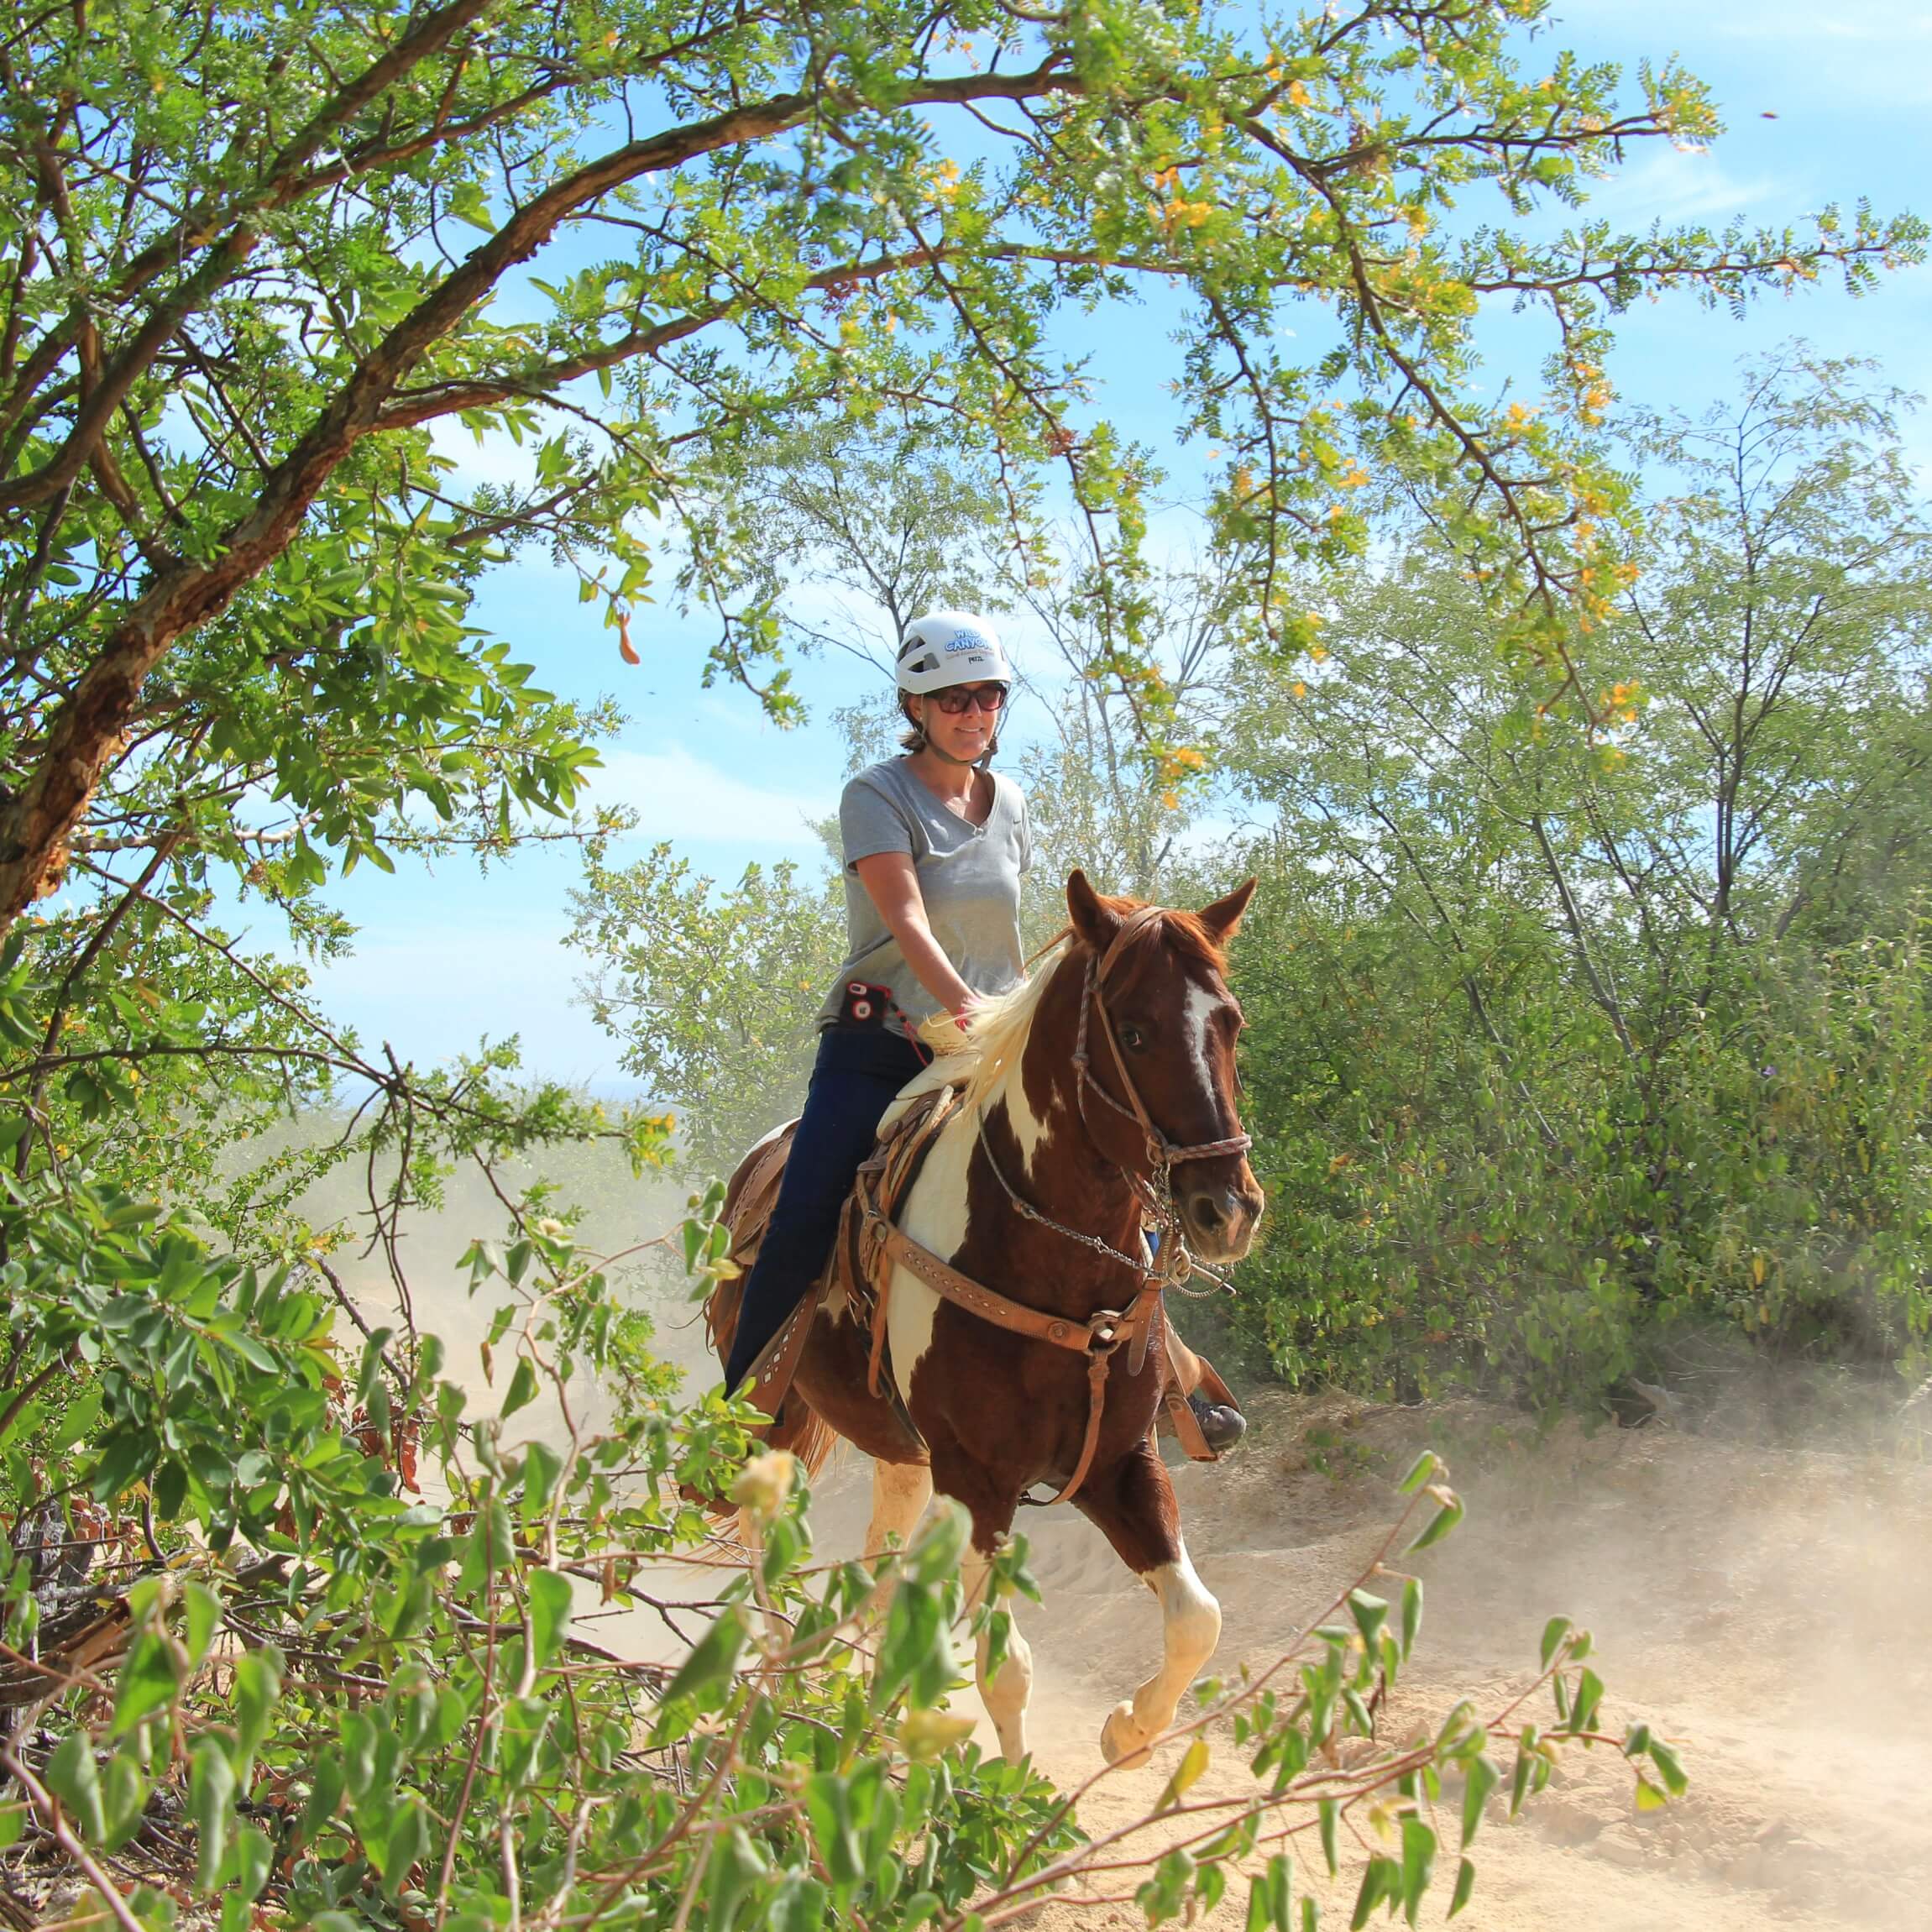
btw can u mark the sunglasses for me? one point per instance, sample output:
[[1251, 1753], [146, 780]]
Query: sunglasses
[[959, 699]]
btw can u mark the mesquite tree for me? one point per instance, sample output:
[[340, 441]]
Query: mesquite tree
[[249, 260]]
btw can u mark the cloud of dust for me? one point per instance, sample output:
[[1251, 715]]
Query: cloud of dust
[[1762, 1598], [1756, 1570]]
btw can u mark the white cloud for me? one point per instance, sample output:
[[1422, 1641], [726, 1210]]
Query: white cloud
[[437, 992], [677, 795], [1674, 184]]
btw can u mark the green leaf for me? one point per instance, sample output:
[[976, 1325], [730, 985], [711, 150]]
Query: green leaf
[[72, 1777], [253, 1859], [1268, 1896], [78, 1420], [124, 1794], [201, 1613], [147, 1681], [1370, 1612], [1424, 1466], [550, 1597], [327, 1781], [1554, 1632], [1483, 1775], [1670, 1768], [1186, 1774], [1650, 1797], [541, 1467], [798, 1905], [1418, 1863], [1439, 1524], [1381, 1879], [737, 1867], [712, 1658], [211, 1805], [828, 1805], [467, 204], [1520, 1779], [1411, 1613], [523, 1388], [1465, 1884], [1328, 1812], [257, 1688], [408, 1840], [489, 1546]]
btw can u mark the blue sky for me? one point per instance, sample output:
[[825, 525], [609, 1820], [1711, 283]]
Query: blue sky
[[447, 957]]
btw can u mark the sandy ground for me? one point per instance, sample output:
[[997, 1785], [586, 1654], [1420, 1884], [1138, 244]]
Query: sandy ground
[[1765, 1608]]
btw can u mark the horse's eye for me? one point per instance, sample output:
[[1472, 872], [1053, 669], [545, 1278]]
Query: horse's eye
[[1132, 1038]]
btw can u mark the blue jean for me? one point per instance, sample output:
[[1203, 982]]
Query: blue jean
[[855, 1079]]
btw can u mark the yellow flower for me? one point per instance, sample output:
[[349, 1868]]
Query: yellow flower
[[924, 1734], [765, 1482]]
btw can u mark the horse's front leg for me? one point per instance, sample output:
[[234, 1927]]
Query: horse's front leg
[[990, 1501], [1006, 1691], [900, 1494], [1132, 1504]]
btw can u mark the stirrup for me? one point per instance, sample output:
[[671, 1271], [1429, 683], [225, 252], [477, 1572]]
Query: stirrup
[[1221, 1425]]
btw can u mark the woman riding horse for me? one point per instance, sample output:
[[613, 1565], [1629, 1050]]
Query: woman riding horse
[[935, 844]]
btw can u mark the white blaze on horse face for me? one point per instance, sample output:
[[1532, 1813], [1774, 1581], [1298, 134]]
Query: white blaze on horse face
[[935, 1216], [1203, 1003]]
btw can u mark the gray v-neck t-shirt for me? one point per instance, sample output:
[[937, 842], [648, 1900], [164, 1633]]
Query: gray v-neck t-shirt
[[969, 877]]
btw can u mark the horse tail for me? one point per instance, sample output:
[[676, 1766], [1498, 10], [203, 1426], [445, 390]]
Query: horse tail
[[805, 1433]]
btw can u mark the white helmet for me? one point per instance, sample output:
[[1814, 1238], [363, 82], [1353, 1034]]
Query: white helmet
[[946, 647]]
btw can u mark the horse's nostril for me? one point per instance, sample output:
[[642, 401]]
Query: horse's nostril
[[1209, 1216]]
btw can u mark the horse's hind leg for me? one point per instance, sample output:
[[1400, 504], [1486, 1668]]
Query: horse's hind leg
[[1006, 1691], [1133, 1504], [900, 1494]]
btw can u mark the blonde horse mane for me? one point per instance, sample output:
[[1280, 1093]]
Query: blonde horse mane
[[996, 1039]]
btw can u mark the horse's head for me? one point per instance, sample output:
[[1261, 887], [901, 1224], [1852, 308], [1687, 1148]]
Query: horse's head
[[1175, 1023]]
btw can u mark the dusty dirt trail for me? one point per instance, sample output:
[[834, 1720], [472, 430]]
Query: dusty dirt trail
[[1769, 1609]]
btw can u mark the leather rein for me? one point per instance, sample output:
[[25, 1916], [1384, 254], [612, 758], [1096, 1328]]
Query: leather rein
[[1096, 1336]]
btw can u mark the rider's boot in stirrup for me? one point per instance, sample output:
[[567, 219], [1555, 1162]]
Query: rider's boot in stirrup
[[1221, 1425]]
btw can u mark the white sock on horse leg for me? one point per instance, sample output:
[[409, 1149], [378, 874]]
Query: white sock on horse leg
[[1190, 1629], [1008, 1692]]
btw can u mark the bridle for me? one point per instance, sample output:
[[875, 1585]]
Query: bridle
[[1173, 1265], [1163, 1155]]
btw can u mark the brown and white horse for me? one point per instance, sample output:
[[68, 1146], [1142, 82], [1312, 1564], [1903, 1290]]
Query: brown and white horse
[[996, 1412]]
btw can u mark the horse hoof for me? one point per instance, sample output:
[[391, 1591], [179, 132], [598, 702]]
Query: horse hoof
[[1123, 1742]]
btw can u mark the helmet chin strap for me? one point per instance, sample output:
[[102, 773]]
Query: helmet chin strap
[[979, 764]]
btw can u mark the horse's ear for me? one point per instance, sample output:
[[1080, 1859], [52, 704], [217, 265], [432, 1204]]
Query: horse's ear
[[1095, 923], [1223, 918]]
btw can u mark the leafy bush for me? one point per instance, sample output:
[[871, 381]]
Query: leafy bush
[[1558, 1045], [326, 1666]]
